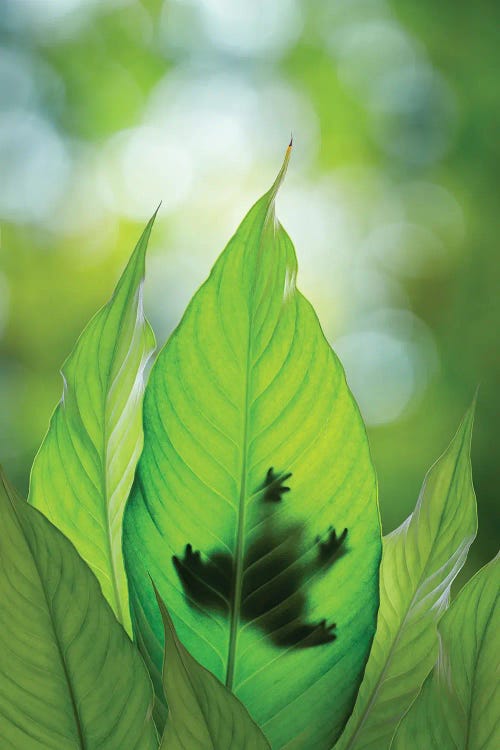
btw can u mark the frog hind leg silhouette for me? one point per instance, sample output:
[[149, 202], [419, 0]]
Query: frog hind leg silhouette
[[274, 597]]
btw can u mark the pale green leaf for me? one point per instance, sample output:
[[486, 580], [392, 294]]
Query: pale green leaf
[[70, 678], [459, 705], [202, 713], [245, 384], [84, 469], [419, 563]]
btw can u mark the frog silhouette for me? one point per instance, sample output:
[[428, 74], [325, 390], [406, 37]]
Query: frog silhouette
[[276, 572]]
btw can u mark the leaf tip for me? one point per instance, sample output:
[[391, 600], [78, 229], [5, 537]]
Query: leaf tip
[[161, 604], [469, 416], [281, 174], [475, 397], [8, 488]]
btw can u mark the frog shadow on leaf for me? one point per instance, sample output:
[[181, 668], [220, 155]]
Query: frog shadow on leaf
[[276, 573]]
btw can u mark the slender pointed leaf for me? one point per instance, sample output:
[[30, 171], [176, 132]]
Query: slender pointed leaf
[[202, 713], [459, 705], [84, 469], [419, 563], [70, 678], [254, 505]]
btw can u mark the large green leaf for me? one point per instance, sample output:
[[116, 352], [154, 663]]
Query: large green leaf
[[70, 678], [202, 713], [419, 563], [246, 400], [84, 469], [459, 705]]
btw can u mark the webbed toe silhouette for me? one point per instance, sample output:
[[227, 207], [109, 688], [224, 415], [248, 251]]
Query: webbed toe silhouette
[[208, 582], [332, 548], [273, 486], [305, 635]]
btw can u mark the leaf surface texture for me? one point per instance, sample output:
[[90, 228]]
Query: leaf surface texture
[[84, 469], [70, 678], [419, 563], [458, 707], [202, 713], [254, 506]]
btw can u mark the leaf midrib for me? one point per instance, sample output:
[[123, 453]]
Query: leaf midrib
[[472, 691], [76, 715], [105, 479], [240, 539], [105, 450], [187, 674]]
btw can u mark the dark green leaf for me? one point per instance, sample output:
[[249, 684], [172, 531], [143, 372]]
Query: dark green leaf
[[70, 678], [202, 713]]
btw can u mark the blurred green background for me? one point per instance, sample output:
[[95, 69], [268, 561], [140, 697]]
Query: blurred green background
[[109, 106]]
